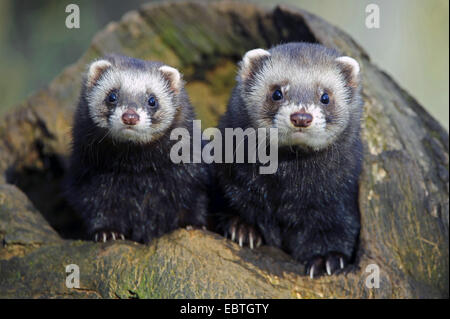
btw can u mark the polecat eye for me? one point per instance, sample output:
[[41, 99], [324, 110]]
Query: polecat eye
[[277, 95], [151, 101], [112, 98], [325, 99]]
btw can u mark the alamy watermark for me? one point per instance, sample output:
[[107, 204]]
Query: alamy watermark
[[373, 279], [236, 146], [73, 17], [73, 276], [373, 16]]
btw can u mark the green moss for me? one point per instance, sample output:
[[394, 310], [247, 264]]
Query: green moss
[[211, 92]]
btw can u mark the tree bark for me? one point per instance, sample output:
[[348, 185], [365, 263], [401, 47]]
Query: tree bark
[[403, 196]]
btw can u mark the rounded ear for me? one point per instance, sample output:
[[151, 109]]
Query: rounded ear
[[96, 69], [173, 76], [350, 68], [251, 60]]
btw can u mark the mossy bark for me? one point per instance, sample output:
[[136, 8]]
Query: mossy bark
[[403, 197]]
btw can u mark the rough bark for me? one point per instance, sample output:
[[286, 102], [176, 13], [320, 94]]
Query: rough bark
[[403, 189]]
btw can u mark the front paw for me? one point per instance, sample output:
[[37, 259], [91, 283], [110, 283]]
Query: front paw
[[330, 264], [243, 234], [106, 235]]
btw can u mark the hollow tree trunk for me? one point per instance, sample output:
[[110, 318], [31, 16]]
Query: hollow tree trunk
[[403, 197]]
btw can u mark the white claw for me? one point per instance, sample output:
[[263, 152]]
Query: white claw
[[113, 236], [311, 272], [250, 239], [259, 242], [241, 239], [96, 237], [104, 237], [341, 260], [233, 234], [327, 265], [122, 236]]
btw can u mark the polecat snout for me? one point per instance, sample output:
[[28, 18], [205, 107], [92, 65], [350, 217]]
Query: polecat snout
[[121, 178], [308, 207]]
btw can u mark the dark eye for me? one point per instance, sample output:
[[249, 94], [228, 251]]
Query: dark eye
[[277, 95], [325, 99], [112, 98], [151, 101]]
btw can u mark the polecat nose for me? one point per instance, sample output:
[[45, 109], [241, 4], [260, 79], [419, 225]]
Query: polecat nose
[[130, 117], [301, 119]]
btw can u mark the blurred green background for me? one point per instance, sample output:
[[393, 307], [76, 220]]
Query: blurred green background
[[412, 43]]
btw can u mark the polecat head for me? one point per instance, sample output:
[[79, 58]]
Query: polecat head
[[307, 91], [134, 100]]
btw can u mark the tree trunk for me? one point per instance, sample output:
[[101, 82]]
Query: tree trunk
[[403, 196]]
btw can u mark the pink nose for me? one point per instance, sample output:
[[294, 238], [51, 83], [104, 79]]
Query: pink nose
[[130, 117], [301, 119]]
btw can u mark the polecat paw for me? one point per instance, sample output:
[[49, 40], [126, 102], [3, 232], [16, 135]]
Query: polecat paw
[[104, 236], [243, 234], [331, 263]]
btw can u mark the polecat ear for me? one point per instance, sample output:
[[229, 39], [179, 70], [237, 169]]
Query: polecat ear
[[350, 69], [96, 69], [251, 59], [173, 76]]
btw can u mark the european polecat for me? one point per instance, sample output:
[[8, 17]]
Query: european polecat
[[121, 178], [308, 207]]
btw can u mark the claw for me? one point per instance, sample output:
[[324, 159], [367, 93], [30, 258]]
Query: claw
[[233, 234], [243, 234], [311, 272], [327, 265], [122, 236], [96, 237], [259, 242], [104, 237], [341, 261], [113, 235]]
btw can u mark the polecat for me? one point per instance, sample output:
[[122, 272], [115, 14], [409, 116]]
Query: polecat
[[121, 178], [309, 207]]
